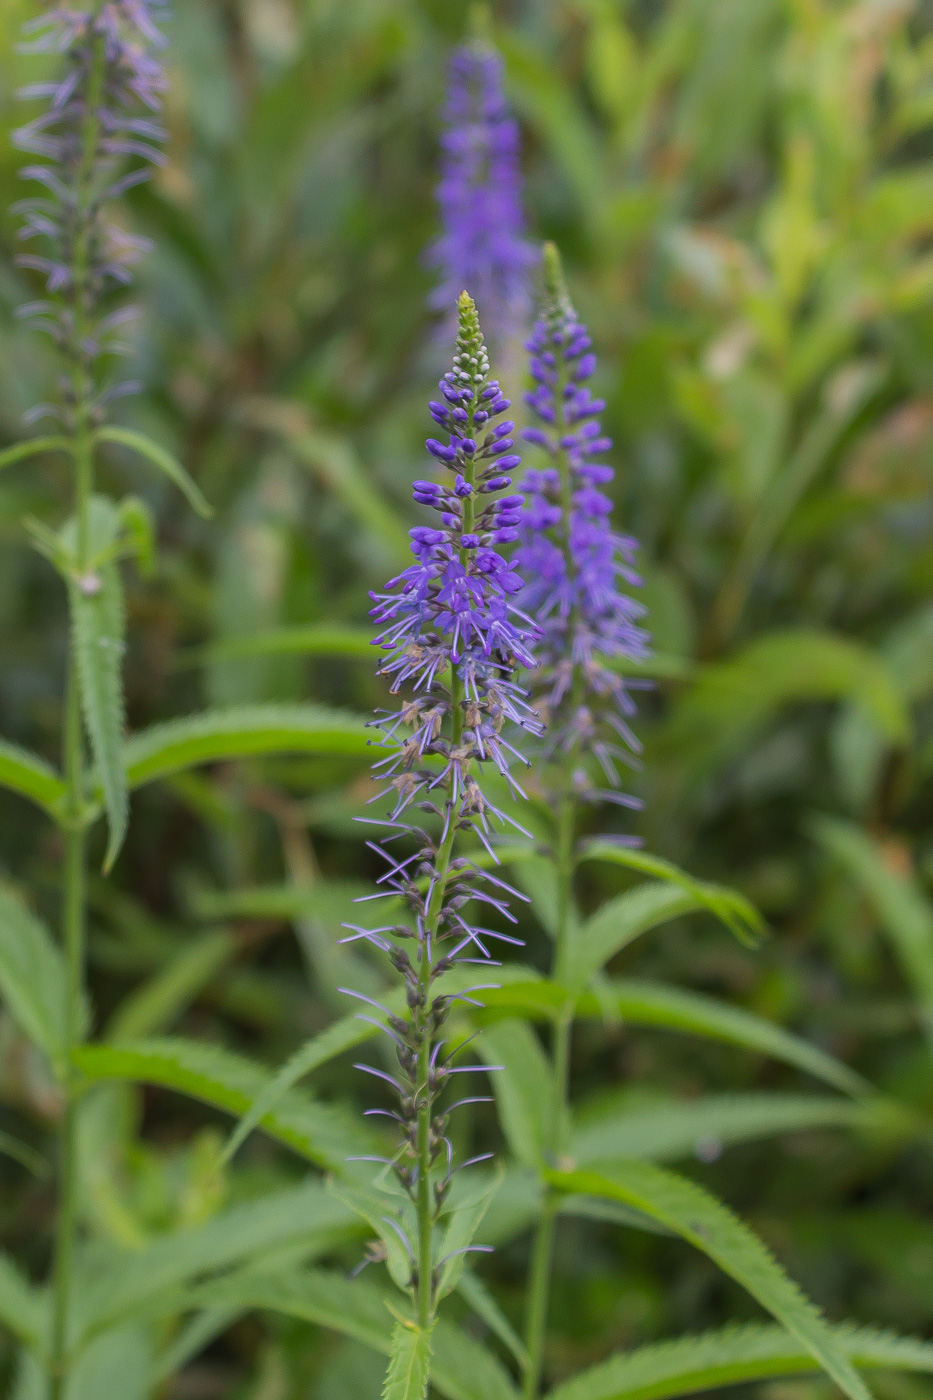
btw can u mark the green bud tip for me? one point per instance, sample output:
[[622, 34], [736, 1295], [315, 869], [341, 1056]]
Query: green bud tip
[[556, 295], [471, 362]]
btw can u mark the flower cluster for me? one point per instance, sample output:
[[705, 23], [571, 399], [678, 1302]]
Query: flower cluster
[[479, 195], [573, 559], [100, 114], [454, 638]]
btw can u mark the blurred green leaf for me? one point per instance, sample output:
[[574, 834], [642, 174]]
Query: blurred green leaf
[[729, 1357], [98, 625], [241, 732], [33, 778], [409, 1360], [711, 1227], [323, 1134], [32, 976], [159, 457]]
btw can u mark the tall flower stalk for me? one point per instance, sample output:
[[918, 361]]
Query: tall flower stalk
[[454, 639], [577, 568], [97, 135], [482, 245]]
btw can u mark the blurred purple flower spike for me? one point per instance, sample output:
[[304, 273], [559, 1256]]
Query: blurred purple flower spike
[[479, 194], [99, 116], [573, 560]]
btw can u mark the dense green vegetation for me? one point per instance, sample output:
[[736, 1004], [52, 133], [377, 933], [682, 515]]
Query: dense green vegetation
[[743, 194]]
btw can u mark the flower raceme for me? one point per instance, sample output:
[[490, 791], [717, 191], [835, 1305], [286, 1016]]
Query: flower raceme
[[454, 639], [100, 113], [573, 560], [482, 245]]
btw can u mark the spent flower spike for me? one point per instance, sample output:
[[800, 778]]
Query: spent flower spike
[[101, 112], [454, 639], [479, 195], [572, 558]]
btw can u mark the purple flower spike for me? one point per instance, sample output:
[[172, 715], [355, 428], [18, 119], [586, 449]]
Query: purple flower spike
[[479, 195], [98, 135], [573, 560], [454, 640]]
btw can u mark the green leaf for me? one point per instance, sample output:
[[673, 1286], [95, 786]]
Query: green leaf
[[323, 1134], [98, 625], [22, 1307], [241, 732], [119, 1362], [32, 447], [522, 1086], [464, 1220], [731, 1356], [390, 1218], [730, 699], [153, 1006], [522, 991], [30, 776], [683, 1206], [478, 1297], [461, 1369], [902, 907], [730, 907], [318, 639], [409, 1359], [620, 921], [308, 1216], [665, 1131], [32, 975], [651, 1004], [159, 457], [343, 1035]]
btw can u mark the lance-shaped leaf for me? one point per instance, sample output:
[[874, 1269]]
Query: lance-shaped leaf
[[730, 907], [98, 626], [22, 1307], [32, 447], [241, 732], [409, 1359], [317, 639], [323, 1134], [159, 457], [521, 1079], [32, 975], [623, 919], [703, 1126], [33, 778], [903, 910], [460, 1368], [731, 1356], [686, 1208], [308, 1217]]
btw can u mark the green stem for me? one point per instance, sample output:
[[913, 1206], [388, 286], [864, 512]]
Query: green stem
[[425, 1205], [539, 1283], [74, 893]]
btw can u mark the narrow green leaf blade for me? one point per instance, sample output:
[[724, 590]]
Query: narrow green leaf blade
[[324, 1134], [22, 1307], [522, 1086], [620, 921], [98, 626], [242, 732], [703, 1126], [318, 639], [652, 1004], [33, 447], [409, 1359], [733, 909], [309, 1216], [335, 1040], [32, 975], [904, 911], [161, 458], [154, 1005], [33, 778], [710, 1226], [460, 1368], [733, 1355]]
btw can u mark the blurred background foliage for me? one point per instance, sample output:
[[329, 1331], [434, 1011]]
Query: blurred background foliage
[[743, 192]]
